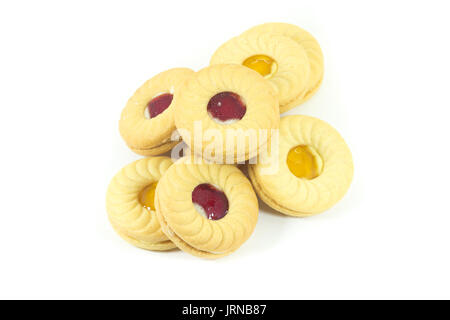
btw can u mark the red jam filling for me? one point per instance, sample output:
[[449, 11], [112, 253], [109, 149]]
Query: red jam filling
[[226, 106], [159, 103], [213, 201]]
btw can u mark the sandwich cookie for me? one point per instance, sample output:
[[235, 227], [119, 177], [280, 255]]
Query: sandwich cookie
[[279, 59], [147, 121], [234, 109], [130, 203], [311, 171], [207, 210], [312, 49]]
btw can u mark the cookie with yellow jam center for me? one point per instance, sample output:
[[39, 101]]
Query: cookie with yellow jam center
[[310, 171], [130, 203], [304, 162], [264, 65], [312, 49], [147, 196], [277, 58]]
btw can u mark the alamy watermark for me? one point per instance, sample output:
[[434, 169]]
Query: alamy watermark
[[228, 146]]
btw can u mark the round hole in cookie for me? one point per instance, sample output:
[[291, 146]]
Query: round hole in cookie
[[147, 196], [264, 65], [209, 201], [157, 105], [304, 162], [226, 107]]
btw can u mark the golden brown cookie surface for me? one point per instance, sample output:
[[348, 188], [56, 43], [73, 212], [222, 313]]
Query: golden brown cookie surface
[[312, 49], [226, 103], [280, 59], [147, 121], [311, 172], [207, 210], [130, 203]]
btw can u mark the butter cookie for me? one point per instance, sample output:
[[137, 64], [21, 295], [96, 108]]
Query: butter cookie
[[147, 121], [309, 173], [130, 203], [279, 59], [207, 210], [312, 49], [226, 113]]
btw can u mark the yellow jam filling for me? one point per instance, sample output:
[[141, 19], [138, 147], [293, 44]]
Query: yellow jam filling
[[147, 196], [262, 64], [304, 162]]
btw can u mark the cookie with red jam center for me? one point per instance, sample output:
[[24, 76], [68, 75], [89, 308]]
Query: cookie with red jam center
[[226, 107], [147, 122], [210, 201], [159, 104], [226, 113], [207, 210]]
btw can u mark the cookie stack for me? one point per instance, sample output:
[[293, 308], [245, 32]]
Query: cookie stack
[[228, 118]]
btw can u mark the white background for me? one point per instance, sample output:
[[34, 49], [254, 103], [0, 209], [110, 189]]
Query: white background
[[67, 70]]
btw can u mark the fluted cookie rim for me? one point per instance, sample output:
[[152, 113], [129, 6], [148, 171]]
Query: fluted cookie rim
[[180, 186], [292, 61], [152, 136], [301, 99], [122, 201], [327, 189], [312, 48], [159, 246], [262, 108]]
